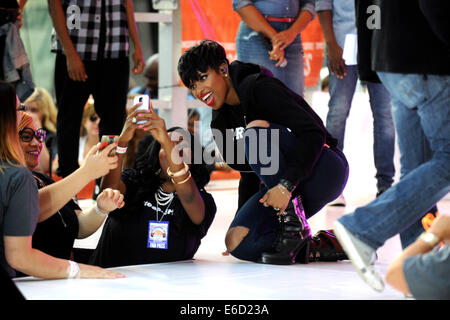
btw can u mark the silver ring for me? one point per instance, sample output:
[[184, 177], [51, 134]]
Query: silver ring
[[277, 209], [134, 120]]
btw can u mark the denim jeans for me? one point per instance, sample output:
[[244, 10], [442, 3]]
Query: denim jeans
[[325, 183], [341, 96], [421, 108], [250, 48]]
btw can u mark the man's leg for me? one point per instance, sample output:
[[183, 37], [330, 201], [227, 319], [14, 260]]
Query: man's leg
[[110, 95], [341, 96], [383, 135], [414, 150], [404, 203], [71, 98]]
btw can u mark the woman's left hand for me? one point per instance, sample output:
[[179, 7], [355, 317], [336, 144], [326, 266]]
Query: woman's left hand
[[276, 199], [109, 200], [157, 127]]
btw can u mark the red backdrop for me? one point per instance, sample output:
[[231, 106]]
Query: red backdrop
[[216, 20]]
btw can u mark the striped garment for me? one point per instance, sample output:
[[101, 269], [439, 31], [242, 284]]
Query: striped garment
[[83, 19]]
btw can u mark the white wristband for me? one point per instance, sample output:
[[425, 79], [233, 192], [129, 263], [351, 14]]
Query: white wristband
[[74, 270], [121, 150], [99, 212]]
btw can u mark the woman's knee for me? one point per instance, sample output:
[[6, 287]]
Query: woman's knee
[[258, 123], [234, 237]]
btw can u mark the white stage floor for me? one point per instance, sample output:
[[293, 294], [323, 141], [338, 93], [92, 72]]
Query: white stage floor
[[211, 276]]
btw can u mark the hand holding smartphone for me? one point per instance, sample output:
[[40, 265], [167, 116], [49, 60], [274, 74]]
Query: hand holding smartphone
[[145, 104], [107, 140]]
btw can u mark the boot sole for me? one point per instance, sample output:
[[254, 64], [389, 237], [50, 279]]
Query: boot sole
[[284, 261]]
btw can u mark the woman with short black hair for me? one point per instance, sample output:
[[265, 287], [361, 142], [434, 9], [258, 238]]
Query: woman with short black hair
[[281, 139]]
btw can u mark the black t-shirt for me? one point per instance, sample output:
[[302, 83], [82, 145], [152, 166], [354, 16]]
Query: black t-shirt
[[125, 235], [56, 235]]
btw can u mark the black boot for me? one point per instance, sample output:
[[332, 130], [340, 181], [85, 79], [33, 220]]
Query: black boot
[[293, 238]]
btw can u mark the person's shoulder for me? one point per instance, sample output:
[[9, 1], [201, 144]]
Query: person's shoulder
[[15, 172], [16, 178]]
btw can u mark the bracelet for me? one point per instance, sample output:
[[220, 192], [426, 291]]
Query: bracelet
[[121, 150], [178, 173], [282, 191], [430, 238], [74, 270], [99, 212], [189, 176], [288, 185]]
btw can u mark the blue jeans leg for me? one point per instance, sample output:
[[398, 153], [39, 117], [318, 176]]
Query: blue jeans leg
[[341, 96], [414, 151], [383, 134], [418, 191]]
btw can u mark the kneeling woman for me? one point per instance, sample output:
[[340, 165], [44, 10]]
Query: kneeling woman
[[268, 122], [167, 212]]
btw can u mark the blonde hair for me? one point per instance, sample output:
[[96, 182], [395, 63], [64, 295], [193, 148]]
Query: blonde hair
[[47, 107], [10, 148], [88, 111]]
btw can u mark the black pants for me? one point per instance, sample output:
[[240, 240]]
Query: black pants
[[325, 183], [108, 83]]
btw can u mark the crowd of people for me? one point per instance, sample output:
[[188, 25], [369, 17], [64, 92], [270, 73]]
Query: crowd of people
[[149, 193]]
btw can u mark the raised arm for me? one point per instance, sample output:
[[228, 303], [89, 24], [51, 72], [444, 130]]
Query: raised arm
[[112, 179], [55, 196], [184, 184]]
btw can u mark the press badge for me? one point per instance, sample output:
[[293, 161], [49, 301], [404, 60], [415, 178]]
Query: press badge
[[158, 234]]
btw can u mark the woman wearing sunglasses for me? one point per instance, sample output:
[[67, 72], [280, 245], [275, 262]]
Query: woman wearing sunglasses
[[57, 227], [20, 205]]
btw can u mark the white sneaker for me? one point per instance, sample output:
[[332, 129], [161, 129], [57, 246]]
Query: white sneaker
[[338, 202], [361, 255]]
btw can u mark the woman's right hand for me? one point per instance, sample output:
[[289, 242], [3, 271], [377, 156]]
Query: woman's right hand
[[90, 272], [130, 126], [98, 164]]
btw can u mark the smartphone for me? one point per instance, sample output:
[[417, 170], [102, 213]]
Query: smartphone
[[107, 140], [145, 104]]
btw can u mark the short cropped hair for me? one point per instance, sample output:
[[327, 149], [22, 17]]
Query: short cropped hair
[[207, 54]]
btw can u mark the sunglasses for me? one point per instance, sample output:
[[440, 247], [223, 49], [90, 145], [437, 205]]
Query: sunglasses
[[22, 107], [27, 134]]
